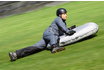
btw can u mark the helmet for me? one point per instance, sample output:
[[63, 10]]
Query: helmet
[[60, 11]]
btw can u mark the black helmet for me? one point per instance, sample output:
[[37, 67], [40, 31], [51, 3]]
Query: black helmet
[[60, 11]]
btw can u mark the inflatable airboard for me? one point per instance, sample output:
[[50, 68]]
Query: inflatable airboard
[[81, 32]]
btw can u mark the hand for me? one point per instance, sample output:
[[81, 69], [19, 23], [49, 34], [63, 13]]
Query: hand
[[71, 32], [72, 27]]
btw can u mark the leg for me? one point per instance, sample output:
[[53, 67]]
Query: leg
[[53, 40], [28, 50]]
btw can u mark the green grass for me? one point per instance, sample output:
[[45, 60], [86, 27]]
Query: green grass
[[26, 29]]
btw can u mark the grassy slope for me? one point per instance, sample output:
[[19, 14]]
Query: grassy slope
[[26, 29]]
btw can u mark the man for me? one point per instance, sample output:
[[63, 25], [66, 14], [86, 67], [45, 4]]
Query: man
[[56, 29], [50, 36]]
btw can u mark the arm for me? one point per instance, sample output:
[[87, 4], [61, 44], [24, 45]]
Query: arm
[[63, 27]]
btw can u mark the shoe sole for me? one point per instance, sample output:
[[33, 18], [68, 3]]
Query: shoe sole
[[58, 50]]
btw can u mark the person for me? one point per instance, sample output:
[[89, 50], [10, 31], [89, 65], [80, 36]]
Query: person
[[51, 36]]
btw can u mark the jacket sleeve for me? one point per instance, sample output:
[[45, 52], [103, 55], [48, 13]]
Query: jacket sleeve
[[62, 26]]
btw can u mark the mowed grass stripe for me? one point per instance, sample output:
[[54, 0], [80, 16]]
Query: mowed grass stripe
[[22, 30]]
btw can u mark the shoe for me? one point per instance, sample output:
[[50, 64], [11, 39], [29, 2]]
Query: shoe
[[13, 56], [57, 49]]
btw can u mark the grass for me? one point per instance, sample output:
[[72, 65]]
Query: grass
[[26, 29]]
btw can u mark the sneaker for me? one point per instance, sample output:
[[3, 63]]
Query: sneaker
[[57, 49], [13, 56]]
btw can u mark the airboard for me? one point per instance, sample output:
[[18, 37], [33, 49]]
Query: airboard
[[82, 31]]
